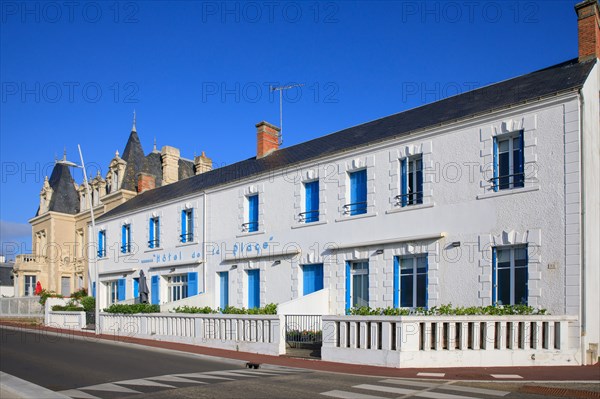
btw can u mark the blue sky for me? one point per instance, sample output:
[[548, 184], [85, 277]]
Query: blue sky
[[198, 72]]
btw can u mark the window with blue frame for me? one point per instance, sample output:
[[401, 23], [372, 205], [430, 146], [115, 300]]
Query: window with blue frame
[[411, 181], [251, 224], [358, 193], [509, 162], [253, 288], [510, 275], [126, 238], [154, 233], [311, 202], [102, 243], [187, 225], [223, 289], [410, 281], [116, 290], [312, 278]]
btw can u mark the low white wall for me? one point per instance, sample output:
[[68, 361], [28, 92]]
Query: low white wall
[[7, 291], [21, 307], [247, 333], [317, 303], [62, 319], [200, 301], [449, 341]]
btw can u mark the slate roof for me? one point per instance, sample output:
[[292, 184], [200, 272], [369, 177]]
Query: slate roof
[[153, 166], [64, 197], [135, 158], [563, 77]]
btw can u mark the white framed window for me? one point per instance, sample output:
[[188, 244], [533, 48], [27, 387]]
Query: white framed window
[[311, 202], [410, 281], [154, 233], [510, 275], [187, 226], [508, 162], [411, 181], [112, 291], [251, 224], [30, 282], [126, 238], [358, 284], [177, 286]]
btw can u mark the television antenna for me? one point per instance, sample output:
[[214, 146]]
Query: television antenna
[[280, 89]]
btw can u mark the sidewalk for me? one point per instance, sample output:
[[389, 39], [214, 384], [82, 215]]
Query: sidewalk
[[537, 373]]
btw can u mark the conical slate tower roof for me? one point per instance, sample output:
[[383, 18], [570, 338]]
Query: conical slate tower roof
[[134, 156], [64, 198]]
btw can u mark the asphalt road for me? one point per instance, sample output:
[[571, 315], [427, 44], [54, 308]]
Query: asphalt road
[[91, 368]]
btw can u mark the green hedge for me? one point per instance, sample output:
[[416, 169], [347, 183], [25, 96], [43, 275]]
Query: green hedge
[[88, 303], [268, 309], [67, 308], [132, 308], [449, 310]]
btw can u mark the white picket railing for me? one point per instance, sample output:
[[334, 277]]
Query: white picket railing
[[28, 306], [248, 333], [64, 319], [448, 341]]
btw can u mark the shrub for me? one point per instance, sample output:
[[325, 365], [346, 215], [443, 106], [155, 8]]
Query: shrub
[[449, 310], [88, 303], [45, 294], [194, 309], [68, 308], [132, 308], [80, 293]]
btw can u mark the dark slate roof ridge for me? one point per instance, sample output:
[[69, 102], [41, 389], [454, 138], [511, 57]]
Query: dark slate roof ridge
[[533, 85]]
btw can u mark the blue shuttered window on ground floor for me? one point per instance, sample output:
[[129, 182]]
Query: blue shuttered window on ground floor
[[121, 289], [154, 290], [253, 288], [136, 287], [224, 289], [192, 284], [312, 276]]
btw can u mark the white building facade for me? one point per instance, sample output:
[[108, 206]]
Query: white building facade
[[499, 203]]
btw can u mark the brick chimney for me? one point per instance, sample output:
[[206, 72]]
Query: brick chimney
[[202, 163], [267, 139], [588, 21], [170, 164], [145, 182]]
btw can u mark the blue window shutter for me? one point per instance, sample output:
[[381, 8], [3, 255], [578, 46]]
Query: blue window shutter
[[94, 289], [124, 239], [308, 202], [494, 271], [253, 288], [121, 289], [151, 233], [312, 201], [183, 226], [136, 287], [190, 227], [362, 191], [318, 277], [353, 193], [100, 243], [253, 213], [348, 282], [495, 181], [396, 281], [192, 283], [224, 280], [154, 290], [404, 181]]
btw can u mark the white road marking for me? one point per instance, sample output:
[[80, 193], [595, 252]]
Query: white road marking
[[76, 393], [441, 375], [231, 374], [506, 376], [403, 391], [413, 383], [110, 387], [172, 378], [350, 395], [448, 386], [203, 375], [144, 382]]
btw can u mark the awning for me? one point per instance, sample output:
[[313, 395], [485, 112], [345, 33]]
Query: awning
[[425, 237]]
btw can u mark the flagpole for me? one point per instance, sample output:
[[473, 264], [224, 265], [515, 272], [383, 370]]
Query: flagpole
[[91, 242]]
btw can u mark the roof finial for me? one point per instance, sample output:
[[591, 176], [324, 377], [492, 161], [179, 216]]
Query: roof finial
[[133, 128], [154, 148]]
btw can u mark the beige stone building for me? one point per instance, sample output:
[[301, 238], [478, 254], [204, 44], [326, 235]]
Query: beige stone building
[[61, 246]]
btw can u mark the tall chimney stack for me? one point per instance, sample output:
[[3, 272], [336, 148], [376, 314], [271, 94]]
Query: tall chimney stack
[[588, 25], [267, 139], [202, 163]]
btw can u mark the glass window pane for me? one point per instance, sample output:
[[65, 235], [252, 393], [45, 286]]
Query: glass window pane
[[360, 290], [503, 257], [520, 254], [421, 264], [421, 290], [503, 146], [406, 291], [516, 143], [504, 286], [521, 285], [406, 265]]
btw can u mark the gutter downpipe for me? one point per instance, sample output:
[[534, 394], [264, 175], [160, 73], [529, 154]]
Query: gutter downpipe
[[581, 105], [205, 241]]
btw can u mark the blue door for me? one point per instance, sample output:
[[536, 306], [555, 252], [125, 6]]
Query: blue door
[[224, 289], [313, 278], [253, 289]]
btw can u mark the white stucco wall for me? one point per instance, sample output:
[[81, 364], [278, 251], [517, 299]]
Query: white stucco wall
[[458, 206]]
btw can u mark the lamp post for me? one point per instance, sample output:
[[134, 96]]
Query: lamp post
[[91, 242]]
